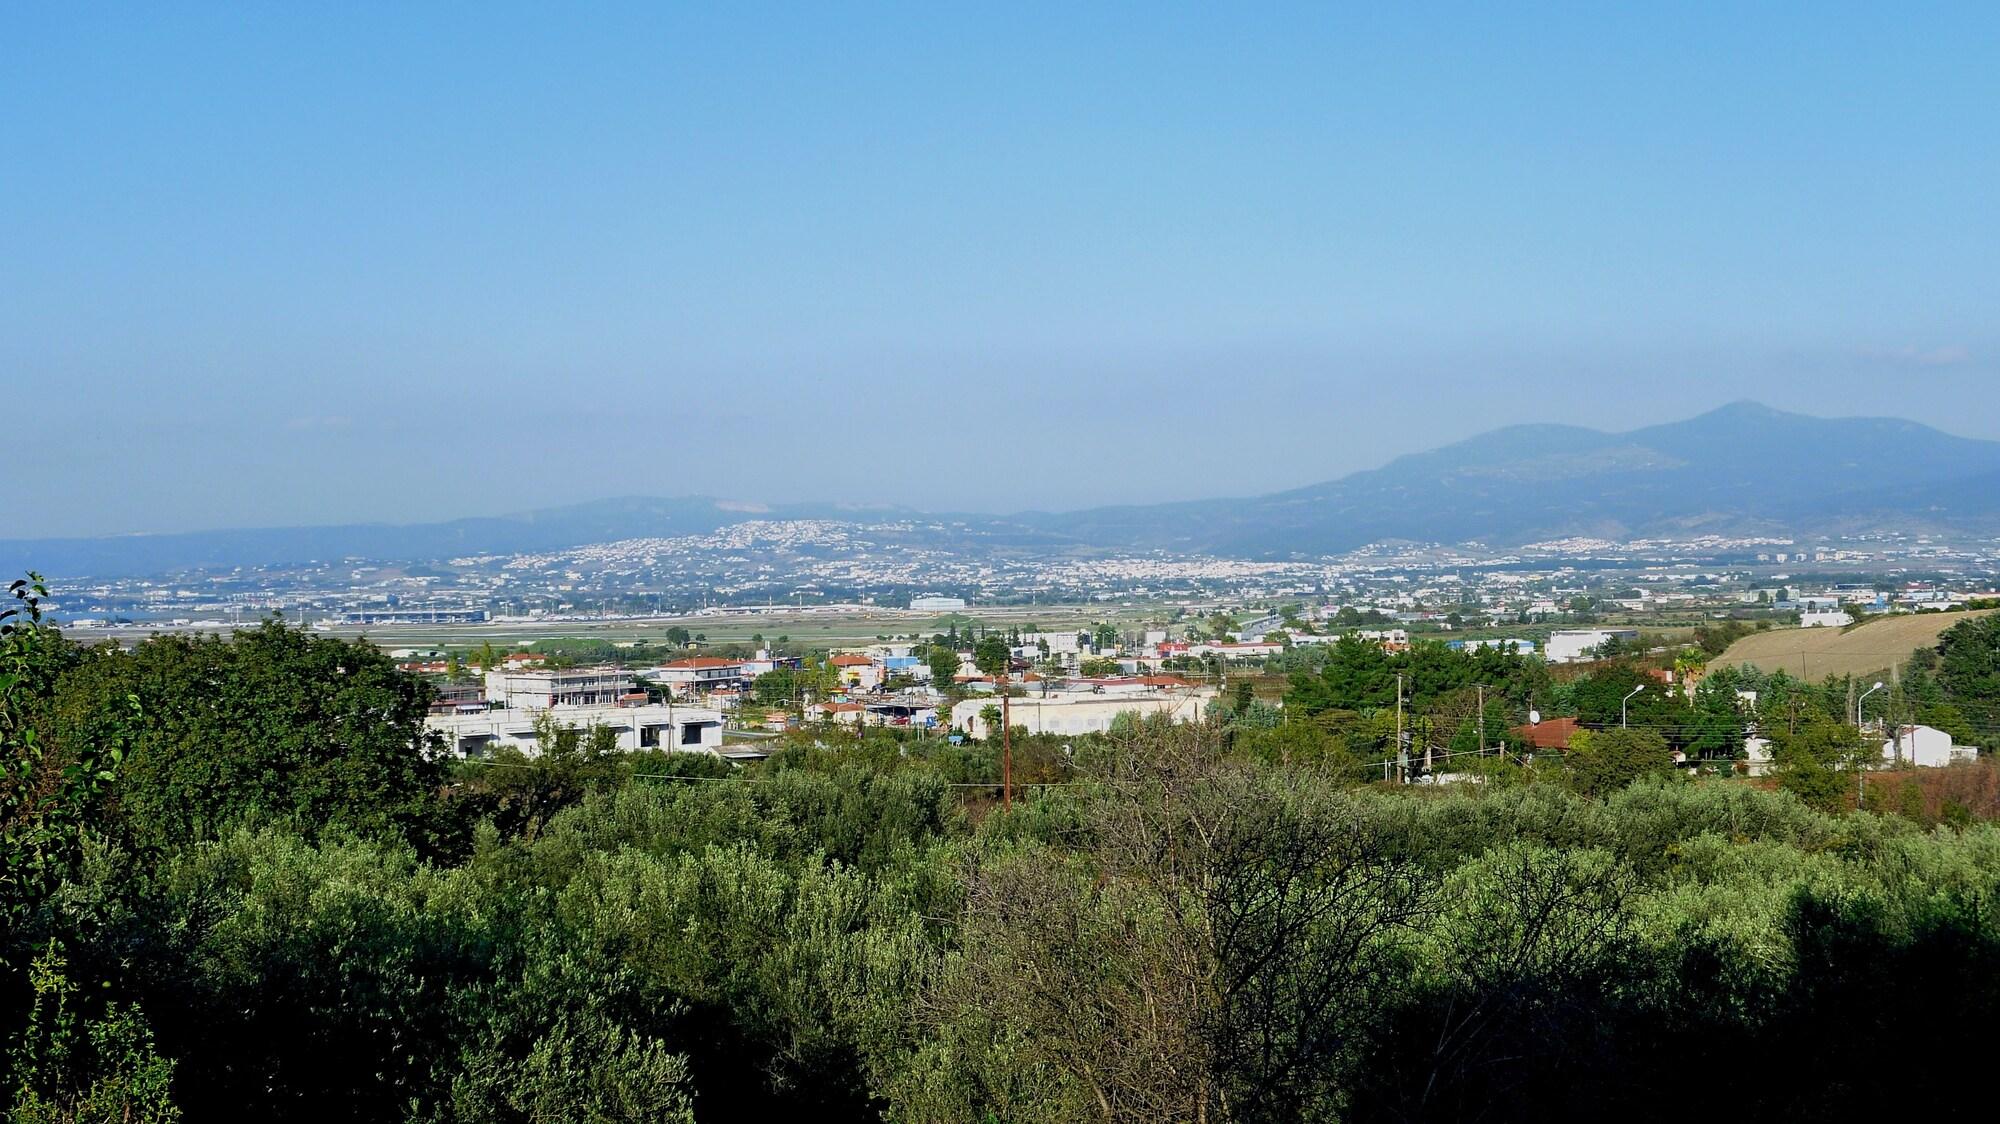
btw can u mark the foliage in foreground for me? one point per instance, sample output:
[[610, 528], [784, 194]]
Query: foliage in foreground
[[1188, 923]]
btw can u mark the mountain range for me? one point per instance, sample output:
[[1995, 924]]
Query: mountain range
[[1742, 469]]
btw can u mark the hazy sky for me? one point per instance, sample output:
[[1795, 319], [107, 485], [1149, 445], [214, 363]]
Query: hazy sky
[[275, 264]]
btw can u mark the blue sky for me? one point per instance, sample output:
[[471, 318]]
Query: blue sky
[[277, 264]]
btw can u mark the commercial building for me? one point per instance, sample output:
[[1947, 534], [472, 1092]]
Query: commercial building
[[414, 615], [936, 604], [639, 727]]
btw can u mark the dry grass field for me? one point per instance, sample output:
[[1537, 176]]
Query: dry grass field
[[1816, 653]]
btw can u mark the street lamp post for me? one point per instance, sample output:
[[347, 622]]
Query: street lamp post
[[1863, 699], [1627, 699]]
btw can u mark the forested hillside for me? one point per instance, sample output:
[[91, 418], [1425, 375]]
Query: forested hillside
[[239, 885]]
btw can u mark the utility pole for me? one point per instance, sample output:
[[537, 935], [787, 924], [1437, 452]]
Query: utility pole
[[1006, 746], [1482, 720], [1402, 749]]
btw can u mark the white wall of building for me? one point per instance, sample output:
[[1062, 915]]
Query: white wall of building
[[571, 687], [639, 727], [1083, 714], [1926, 746], [1571, 645]]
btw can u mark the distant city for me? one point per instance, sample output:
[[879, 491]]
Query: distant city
[[799, 567]]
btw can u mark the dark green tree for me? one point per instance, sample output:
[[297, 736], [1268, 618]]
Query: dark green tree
[[47, 787], [992, 656], [1601, 762], [273, 723], [943, 660]]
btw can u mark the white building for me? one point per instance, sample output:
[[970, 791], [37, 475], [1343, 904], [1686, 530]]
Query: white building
[[1925, 746], [1757, 754], [1510, 646], [698, 673], [1387, 636], [1082, 713], [1235, 651], [540, 690], [1573, 645], [1058, 642], [639, 727], [936, 604]]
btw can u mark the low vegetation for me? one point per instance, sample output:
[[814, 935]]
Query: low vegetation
[[240, 888]]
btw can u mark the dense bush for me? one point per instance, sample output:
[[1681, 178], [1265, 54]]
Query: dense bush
[[279, 906]]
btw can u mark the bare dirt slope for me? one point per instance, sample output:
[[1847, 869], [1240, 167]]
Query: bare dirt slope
[[1816, 653]]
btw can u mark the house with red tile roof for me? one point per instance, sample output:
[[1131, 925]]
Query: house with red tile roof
[[857, 672], [1552, 734]]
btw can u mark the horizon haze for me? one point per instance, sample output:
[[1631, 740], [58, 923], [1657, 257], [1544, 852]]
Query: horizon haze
[[287, 267], [1749, 411], [1742, 471]]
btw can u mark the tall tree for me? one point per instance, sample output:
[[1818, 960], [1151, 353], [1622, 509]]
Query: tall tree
[[46, 788], [273, 723], [992, 656], [943, 661]]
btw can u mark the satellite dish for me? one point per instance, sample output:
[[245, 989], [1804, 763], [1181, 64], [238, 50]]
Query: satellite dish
[[1534, 718]]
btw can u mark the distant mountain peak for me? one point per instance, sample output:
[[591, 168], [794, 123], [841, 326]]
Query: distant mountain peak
[[1744, 466], [1747, 408]]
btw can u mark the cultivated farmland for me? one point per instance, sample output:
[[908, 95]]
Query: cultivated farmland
[[1816, 653]]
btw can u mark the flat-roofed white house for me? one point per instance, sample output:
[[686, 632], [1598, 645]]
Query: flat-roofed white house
[[1574, 645], [1235, 650], [685, 728], [698, 673], [542, 689], [1082, 713]]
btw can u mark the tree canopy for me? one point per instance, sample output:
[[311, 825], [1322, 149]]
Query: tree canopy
[[242, 887]]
